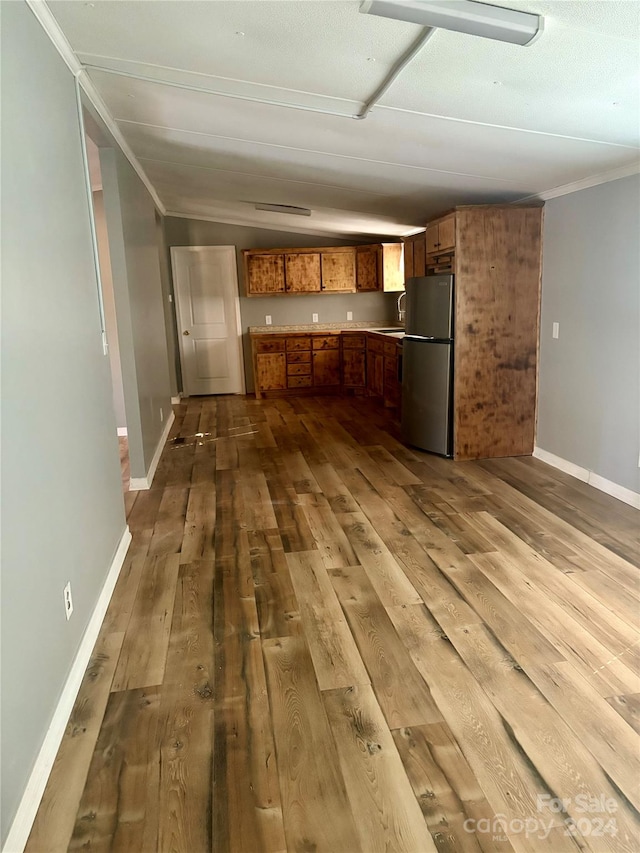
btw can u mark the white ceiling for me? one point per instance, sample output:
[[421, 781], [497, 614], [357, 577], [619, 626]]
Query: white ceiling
[[469, 120]]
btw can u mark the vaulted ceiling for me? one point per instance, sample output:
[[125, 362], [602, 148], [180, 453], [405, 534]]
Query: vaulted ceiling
[[226, 104]]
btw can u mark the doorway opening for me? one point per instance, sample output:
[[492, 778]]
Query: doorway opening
[[208, 315], [108, 298]]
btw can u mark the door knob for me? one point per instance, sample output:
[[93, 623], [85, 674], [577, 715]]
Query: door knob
[[186, 333]]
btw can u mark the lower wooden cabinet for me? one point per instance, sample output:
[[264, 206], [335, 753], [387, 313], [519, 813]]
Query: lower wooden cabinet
[[327, 363], [326, 368], [271, 371], [375, 366], [391, 383], [354, 364]]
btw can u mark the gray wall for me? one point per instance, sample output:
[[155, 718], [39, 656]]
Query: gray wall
[[108, 299], [588, 410], [135, 263], [379, 308], [62, 507]]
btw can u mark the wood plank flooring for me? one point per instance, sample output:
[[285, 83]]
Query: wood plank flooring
[[324, 641]]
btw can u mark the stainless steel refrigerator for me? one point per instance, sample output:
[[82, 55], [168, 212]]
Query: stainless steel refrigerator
[[427, 364]]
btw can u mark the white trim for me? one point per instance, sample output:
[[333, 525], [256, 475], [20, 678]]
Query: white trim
[[584, 183], [176, 252], [608, 486], [139, 484], [562, 464], [23, 821], [620, 492], [175, 401], [122, 431], [51, 27]]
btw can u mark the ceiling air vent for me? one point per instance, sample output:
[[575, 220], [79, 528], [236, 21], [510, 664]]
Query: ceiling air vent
[[284, 208]]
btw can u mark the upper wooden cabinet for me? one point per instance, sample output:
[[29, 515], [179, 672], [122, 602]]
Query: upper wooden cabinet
[[414, 256], [338, 271], [302, 272], [265, 273], [441, 234], [332, 269], [367, 268]]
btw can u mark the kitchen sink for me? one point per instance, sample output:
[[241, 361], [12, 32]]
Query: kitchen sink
[[395, 331]]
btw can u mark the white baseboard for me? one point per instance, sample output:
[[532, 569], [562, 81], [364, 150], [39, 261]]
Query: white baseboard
[[139, 484], [620, 492], [613, 489], [122, 431], [176, 400], [23, 821]]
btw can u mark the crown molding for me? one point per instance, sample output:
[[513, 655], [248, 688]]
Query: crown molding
[[47, 21], [584, 183]]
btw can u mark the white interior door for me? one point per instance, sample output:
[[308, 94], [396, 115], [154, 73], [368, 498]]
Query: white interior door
[[208, 310]]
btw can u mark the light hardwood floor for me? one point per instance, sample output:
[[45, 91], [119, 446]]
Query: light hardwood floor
[[324, 641]]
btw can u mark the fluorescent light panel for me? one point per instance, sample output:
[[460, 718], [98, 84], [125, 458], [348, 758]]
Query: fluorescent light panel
[[462, 16], [284, 208]]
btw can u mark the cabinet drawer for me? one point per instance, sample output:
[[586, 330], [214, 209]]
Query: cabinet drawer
[[269, 344], [298, 381], [298, 369], [298, 357], [375, 344], [294, 344], [353, 341], [326, 342]]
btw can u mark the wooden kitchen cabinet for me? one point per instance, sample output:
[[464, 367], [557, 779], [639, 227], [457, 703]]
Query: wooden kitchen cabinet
[[408, 258], [414, 255], [367, 263], [326, 368], [354, 369], [380, 267], [299, 371], [419, 255], [495, 253], [302, 272], [326, 360], [296, 362], [338, 271], [332, 269], [441, 234], [271, 371], [375, 366], [265, 274], [391, 383]]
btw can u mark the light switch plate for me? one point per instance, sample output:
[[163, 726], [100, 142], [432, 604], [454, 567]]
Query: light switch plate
[[556, 330], [349, 315]]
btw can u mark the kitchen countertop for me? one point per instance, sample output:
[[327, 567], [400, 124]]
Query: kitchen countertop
[[323, 328]]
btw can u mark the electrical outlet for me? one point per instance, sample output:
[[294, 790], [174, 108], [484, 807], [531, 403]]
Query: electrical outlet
[[267, 319], [349, 315], [314, 318], [556, 330], [170, 297], [68, 601], [161, 416]]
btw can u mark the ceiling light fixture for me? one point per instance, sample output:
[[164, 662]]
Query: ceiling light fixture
[[462, 16], [284, 208]]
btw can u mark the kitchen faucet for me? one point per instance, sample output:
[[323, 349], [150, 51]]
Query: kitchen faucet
[[400, 309]]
